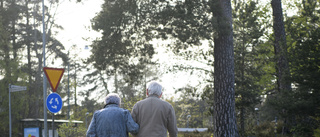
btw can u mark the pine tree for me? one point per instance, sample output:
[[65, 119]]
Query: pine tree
[[249, 61], [122, 52]]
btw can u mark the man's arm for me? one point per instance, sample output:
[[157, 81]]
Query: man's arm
[[172, 123], [91, 132]]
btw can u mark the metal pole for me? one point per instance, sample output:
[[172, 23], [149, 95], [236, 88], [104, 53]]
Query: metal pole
[[52, 124], [10, 130], [75, 85], [68, 90], [188, 117], [258, 118], [187, 123], [275, 129], [44, 76], [86, 121], [13, 88]]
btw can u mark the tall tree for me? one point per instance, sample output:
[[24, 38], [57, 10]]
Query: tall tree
[[192, 21], [23, 55], [248, 17], [10, 73], [280, 47], [303, 34], [280, 50], [224, 120], [30, 41], [122, 52]]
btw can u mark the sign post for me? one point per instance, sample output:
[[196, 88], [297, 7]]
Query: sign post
[[54, 105], [13, 88], [54, 101]]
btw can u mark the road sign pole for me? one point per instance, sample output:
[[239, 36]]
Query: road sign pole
[[13, 88], [54, 103], [52, 124], [44, 76], [44, 105], [10, 130], [68, 90]]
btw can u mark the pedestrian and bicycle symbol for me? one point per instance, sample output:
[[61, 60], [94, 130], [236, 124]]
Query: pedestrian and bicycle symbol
[[54, 103]]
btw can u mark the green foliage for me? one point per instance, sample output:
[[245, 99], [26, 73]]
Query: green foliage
[[123, 52], [316, 132], [69, 130], [267, 129], [195, 134], [191, 104], [303, 101], [251, 59], [129, 103], [10, 73], [21, 59]]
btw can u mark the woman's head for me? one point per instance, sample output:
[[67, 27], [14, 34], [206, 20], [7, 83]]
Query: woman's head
[[113, 98]]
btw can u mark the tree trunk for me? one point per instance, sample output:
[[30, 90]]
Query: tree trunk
[[280, 49], [32, 99], [242, 118], [224, 95]]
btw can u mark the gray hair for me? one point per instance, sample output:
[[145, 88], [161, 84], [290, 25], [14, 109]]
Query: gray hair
[[113, 98], [154, 88]]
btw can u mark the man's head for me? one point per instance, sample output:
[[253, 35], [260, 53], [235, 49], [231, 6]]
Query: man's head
[[113, 98], [154, 88]]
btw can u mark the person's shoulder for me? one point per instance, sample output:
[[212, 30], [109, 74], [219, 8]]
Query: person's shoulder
[[98, 111], [140, 102], [124, 110], [165, 103]]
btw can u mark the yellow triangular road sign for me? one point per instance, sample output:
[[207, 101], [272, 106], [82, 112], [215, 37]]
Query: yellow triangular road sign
[[54, 76]]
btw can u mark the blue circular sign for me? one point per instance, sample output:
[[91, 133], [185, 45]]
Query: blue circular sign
[[54, 103]]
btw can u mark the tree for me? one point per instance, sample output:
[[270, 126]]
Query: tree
[[10, 73], [280, 47], [303, 54], [119, 52], [280, 50], [190, 103], [24, 37], [249, 57], [224, 94], [192, 21], [22, 55]]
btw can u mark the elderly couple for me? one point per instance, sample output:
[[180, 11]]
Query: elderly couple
[[154, 117]]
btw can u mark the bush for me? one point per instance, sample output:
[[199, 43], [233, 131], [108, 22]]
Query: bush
[[68, 130], [196, 134]]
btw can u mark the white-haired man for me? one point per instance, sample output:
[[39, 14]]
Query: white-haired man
[[154, 115], [112, 121]]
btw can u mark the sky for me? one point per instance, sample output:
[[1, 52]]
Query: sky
[[75, 19]]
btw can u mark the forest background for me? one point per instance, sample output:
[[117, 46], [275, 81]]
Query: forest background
[[125, 57]]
